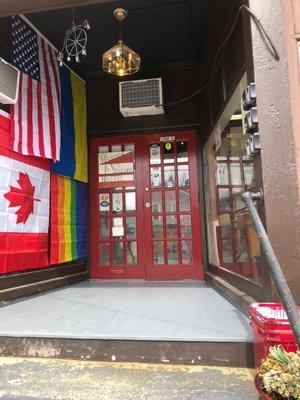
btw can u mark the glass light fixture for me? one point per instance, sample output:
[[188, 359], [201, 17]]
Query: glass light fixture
[[120, 60]]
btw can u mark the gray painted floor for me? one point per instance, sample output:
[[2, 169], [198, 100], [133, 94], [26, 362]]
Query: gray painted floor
[[36, 379], [136, 310]]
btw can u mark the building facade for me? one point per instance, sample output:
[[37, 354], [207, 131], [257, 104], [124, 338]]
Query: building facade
[[165, 191]]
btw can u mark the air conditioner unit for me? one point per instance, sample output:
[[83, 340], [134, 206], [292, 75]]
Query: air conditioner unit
[[9, 83], [141, 97]]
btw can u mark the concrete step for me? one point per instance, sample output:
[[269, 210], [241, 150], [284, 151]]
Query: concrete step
[[40, 286], [186, 323], [230, 354]]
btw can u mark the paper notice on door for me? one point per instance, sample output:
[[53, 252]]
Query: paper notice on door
[[117, 221], [118, 231]]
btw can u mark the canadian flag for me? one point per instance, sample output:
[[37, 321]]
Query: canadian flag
[[24, 211]]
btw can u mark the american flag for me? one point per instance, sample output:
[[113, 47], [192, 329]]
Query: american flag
[[35, 118]]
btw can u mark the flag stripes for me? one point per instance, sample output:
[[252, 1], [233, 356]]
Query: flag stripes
[[68, 219], [73, 153], [36, 116]]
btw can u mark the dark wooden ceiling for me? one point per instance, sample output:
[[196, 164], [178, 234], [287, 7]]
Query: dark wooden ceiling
[[166, 33], [11, 7]]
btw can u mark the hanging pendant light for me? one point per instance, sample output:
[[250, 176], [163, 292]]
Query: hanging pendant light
[[120, 60]]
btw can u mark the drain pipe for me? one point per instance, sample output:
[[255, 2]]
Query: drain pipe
[[251, 199]]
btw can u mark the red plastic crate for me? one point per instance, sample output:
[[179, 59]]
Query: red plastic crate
[[270, 326]]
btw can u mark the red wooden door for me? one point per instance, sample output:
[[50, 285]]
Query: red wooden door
[[145, 212]]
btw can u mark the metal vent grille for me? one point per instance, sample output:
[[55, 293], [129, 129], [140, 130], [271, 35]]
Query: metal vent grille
[[140, 94], [8, 80]]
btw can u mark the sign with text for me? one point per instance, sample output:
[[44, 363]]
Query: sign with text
[[167, 139], [116, 169]]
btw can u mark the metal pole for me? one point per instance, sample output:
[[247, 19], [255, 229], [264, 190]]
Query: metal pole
[[276, 271]]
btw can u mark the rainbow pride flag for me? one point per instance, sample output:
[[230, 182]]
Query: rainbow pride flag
[[68, 219]]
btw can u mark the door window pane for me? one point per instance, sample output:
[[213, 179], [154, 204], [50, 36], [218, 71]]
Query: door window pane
[[103, 149], [157, 227], [187, 251], [130, 201], [182, 151], [241, 246], [248, 174], [237, 199], [104, 254], [118, 253], [158, 253], [171, 226], [154, 150], [129, 147], [226, 231], [156, 202], [155, 177], [104, 205], [104, 228], [117, 202], [185, 225], [227, 251], [170, 201], [169, 177], [224, 201], [118, 228], [172, 250], [184, 200], [116, 148], [222, 177], [235, 172], [183, 175], [131, 253], [168, 152], [131, 227]]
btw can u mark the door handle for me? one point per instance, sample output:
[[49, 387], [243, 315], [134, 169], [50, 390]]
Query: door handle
[[147, 205]]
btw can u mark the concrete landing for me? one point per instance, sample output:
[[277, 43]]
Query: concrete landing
[[131, 310], [36, 379]]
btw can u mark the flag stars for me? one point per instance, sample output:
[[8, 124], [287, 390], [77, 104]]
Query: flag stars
[[25, 48]]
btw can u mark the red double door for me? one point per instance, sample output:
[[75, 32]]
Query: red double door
[[145, 212]]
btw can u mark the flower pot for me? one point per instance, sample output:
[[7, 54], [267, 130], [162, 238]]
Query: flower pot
[[262, 394]]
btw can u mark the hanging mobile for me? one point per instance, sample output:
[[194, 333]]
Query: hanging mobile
[[75, 41]]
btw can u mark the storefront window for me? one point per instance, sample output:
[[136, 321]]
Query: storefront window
[[228, 171]]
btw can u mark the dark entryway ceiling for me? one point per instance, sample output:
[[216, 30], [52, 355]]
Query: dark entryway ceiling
[[11, 7], [164, 32]]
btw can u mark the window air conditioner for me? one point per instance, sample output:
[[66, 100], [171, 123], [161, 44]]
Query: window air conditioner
[[9, 83], [141, 97]]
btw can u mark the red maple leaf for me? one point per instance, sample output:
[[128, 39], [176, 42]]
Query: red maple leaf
[[22, 197]]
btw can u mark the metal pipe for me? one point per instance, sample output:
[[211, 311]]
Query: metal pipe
[[288, 301]]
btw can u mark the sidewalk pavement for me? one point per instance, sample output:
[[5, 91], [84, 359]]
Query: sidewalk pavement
[[51, 379]]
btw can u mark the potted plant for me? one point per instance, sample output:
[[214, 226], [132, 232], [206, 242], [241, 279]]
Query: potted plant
[[278, 377]]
